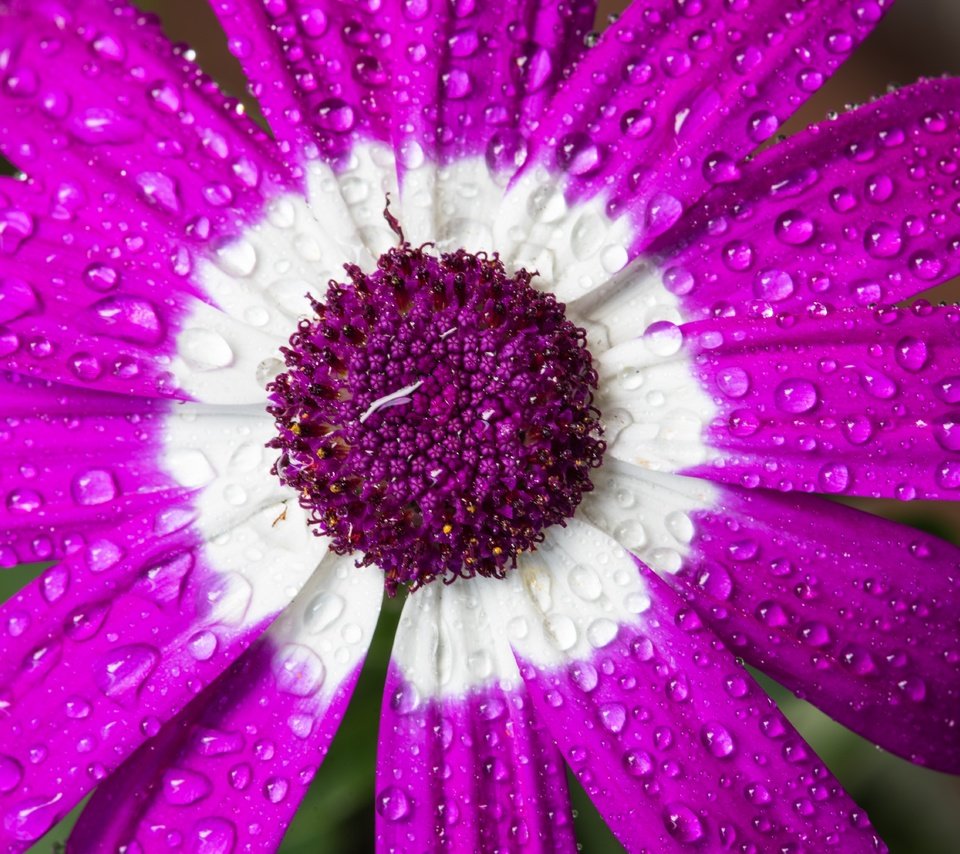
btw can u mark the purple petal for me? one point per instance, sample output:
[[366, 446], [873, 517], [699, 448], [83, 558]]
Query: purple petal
[[99, 250], [850, 212], [237, 760], [74, 465], [676, 745], [675, 95], [503, 783], [854, 402], [858, 615], [118, 637], [86, 116], [463, 763], [440, 82]]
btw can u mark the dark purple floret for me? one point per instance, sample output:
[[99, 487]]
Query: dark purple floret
[[437, 415]]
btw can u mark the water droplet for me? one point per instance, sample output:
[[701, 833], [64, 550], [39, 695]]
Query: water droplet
[[717, 739], [182, 787], [275, 789], [882, 240], [159, 190], [578, 154], [33, 817], [663, 338], [534, 67], [796, 395], [336, 115], [129, 319], [638, 763], [122, 671], [733, 382], [11, 773], [878, 384], [214, 836], [773, 285], [17, 297], [202, 645], [794, 228], [912, 354], [102, 125], [96, 486], [948, 474], [166, 97], [561, 630], [720, 168], [85, 366], [613, 716], [323, 611], [833, 477], [393, 803], [298, 670], [913, 688], [24, 501], [204, 349], [682, 823], [584, 675]]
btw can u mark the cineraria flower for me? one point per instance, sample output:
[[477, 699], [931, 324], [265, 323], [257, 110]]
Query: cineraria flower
[[500, 314]]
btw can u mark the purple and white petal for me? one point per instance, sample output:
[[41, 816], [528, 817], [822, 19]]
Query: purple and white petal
[[826, 401], [857, 614], [116, 639], [655, 413], [463, 763], [664, 107], [667, 733], [75, 464], [234, 765], [470, 81], [854, 402]]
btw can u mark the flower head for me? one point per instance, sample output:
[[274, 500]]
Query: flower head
[[572, 391]]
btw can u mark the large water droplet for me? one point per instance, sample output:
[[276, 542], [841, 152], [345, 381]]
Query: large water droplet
[[182, 787], [129, 319], [96, 486], [298, 670], [393, 803], [796, 395], [121, 672]]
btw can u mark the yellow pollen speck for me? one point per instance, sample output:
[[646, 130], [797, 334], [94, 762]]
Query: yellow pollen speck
[[448, 528], [295, 429]]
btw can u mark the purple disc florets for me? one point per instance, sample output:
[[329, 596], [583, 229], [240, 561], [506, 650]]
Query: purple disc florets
[[436, 415]]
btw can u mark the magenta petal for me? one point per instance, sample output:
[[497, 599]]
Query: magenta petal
[[463, 762], [442, 81], [675, 94], [853, 402], [112, 107], [471, 773], [235, 763], [854, 211], [306, 63], [676, 745], [74, 465], [105, 647], [137, 175], [857, 614]]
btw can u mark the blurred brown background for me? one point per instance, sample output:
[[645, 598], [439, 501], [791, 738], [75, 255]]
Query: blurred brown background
[[917, 811]]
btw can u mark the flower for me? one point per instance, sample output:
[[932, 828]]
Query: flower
[[747, 340]]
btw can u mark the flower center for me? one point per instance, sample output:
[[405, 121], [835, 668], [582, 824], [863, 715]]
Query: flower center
[[436, 415]]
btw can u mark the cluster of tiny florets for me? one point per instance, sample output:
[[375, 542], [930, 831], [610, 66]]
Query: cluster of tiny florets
[[436, 415]]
